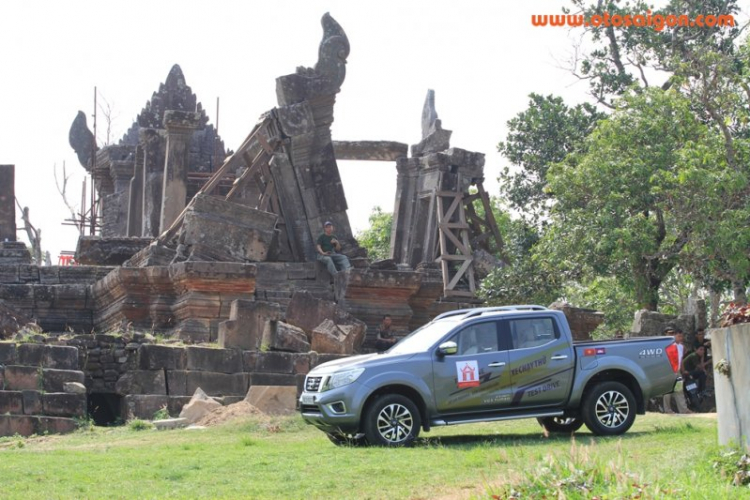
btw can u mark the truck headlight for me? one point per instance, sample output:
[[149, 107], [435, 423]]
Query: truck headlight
[[342, 378]]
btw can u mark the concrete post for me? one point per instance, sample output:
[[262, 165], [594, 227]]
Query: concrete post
[[180, 126]]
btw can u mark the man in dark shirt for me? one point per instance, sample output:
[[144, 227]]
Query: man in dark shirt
[[386, 337], [328, 246], [700, 340], [694, 366]]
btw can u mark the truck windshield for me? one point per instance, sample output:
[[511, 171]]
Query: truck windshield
[[423, 338]]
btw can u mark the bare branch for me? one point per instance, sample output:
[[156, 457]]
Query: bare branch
[[63, 192]]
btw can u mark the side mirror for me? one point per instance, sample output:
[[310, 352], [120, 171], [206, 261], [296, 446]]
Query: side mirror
[[449, 347]]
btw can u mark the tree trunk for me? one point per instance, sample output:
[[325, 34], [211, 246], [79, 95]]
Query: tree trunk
[[740, 294], [713, 320]]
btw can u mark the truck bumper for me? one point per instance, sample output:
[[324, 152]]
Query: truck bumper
[[332, 411]]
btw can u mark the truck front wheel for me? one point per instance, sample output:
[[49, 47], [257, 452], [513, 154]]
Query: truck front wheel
[[609, 409], [392, 420]]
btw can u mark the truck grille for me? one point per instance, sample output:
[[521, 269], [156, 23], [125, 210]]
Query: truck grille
[[312, 384]]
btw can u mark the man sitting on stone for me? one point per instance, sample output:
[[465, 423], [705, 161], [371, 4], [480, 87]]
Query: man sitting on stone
[[328, 246], [386, 337]]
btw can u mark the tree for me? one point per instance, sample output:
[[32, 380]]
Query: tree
[[377, 238], [621, 205], [543, 134], [34, 234]]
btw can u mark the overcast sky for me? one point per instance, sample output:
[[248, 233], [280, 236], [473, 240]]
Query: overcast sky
[[482, 58]]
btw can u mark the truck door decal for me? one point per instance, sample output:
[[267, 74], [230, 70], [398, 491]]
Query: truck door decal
[[468, 373], [534, 385]]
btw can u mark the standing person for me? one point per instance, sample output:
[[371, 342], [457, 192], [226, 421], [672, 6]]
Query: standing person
[[678, 351], [386, 337], [327, 246], [700, 340]]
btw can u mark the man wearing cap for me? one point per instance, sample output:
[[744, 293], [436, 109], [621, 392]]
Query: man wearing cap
[[676, 350], [328, 246]]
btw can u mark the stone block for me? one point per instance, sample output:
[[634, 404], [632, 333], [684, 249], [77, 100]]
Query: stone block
[[32, 402], [199, 406], [55, 425], [48, 356], [142, 406], [11, 320], [328, 338], [280, 336], [273, 400], [157, 357], [11, 402], [272, 379], [142, 382], [247, 320], [250, 360], [98, 251], [54, 380], [176, 404], [74, 388], [170, 423], [214, 360], [217, 384], [8, 354], [10, 425], [228, 231], [275, 362], [177, 383], [60, 404], [20, 378]]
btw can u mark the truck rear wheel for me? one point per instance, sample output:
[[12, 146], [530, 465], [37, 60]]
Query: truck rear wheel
[[560, 424], [392, 420], [609, 409]]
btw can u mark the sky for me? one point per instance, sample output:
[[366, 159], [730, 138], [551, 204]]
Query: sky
[[482, 58]]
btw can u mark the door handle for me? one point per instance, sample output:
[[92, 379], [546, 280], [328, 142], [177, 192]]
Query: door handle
[[496, 364], [559, 356]]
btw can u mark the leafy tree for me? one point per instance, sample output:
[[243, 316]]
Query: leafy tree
[[524, 280], [543, 134], [605, 293], [621, 204], [377, 238]]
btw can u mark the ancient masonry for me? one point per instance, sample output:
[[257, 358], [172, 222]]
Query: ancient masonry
[[210, 247]]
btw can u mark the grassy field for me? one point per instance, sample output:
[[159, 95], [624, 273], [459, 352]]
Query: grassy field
[[660, 457]]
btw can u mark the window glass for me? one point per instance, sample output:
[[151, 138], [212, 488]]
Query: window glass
[[477, 338], [532, 332]]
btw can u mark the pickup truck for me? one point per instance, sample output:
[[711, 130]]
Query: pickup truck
[[487, 364]]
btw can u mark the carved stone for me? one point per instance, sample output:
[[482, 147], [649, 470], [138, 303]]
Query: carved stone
[[7, 203]]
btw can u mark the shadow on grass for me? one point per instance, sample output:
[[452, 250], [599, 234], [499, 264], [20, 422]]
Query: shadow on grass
[[471, 440]]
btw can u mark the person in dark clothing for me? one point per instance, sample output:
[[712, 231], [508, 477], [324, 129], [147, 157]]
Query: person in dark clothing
[[694, 366], [328, 247], [386, 337], [700, 340]]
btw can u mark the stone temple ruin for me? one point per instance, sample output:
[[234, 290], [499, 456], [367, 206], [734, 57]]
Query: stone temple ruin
[[216, 248]]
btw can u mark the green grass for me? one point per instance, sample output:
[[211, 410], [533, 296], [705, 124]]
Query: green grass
[[660, 457]]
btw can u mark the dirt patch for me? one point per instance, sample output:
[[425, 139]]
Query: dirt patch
[[241, 410]]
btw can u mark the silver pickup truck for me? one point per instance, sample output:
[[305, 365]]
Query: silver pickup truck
[[487, 364]]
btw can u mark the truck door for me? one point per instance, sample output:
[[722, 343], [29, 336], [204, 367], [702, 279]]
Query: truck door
[[542, 361], [476, 378]]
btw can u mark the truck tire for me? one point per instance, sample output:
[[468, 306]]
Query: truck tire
[[560, 424], [392, 420], [609, 409], [346, 439]]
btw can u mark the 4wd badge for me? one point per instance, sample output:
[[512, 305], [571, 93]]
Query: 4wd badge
[[468, 374]]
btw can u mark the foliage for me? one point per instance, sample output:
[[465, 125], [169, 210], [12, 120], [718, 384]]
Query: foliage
[[161, 414], [377, 238], [605, 294], [734, 464], [735, 314], [621, 205], [626, 57], [140, 425], [523, 280], [543, 134]]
